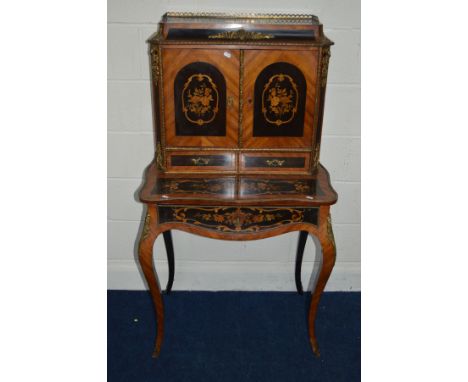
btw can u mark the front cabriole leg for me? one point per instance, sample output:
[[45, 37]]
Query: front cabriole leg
[[145, 255], [170, 259], [327, 242], [299, 255]]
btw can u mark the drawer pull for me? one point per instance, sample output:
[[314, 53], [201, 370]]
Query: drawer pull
[[274, 162], [200, 161]]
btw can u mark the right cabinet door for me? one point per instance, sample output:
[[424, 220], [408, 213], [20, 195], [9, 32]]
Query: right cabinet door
[[279, 100]]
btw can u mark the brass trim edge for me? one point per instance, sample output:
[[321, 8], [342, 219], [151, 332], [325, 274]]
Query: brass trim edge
[[241, 96], [241, 34], [279, 150], [177, 205], [316, 157], [154, 65], [254, 15], [330, 235], [146, 227], [159, 158], [312, 43], [228, 172], [316, 109], [324, 66], [161, 110]]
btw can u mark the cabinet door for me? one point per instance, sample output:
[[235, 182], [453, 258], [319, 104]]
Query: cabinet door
[[279, 98], [201, 97]]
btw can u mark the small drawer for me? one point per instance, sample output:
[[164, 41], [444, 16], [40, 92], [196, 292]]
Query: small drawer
[[275, 162], [191, 161]]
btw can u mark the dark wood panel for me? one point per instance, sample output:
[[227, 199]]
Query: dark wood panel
[[200, 101], [215, 189], [275, 162], [250, 187], [227, 187], [279, 101], [255, 61], [237, 219], [227, 63], [201, 161], [279, 161], [245, 28], [223, 187], [182, 33]]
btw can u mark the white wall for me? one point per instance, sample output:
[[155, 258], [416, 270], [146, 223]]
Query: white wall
[[205, 264]]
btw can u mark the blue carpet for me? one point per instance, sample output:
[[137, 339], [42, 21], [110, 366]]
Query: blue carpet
[[233, 336]]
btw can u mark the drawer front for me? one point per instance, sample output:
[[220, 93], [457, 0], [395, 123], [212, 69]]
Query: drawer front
[[201, 161], [275, 162], [237, 219]]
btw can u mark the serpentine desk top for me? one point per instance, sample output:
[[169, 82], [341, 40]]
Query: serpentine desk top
[[258, 189]]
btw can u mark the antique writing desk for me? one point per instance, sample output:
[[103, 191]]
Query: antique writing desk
[[238, 107]]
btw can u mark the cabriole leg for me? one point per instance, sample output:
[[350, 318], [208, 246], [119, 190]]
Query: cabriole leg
[[170, 259], [145, 255], [299, 255], [327, 242]]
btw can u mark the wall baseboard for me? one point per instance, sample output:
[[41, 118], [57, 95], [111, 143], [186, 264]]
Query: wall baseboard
[[239, 276]]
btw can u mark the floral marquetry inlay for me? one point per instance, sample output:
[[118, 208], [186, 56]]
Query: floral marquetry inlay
[[280, 99], [195, 186], [238, 219], [200, 99], [271, 187]]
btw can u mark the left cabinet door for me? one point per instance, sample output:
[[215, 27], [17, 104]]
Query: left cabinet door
[[201, 97]]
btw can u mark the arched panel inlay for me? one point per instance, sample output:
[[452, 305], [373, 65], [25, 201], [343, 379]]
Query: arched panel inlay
[[280, 93], [200, 100]]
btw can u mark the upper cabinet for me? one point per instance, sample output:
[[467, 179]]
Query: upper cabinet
[[201, 97], [203, 101], [279, 98], [238, 93]]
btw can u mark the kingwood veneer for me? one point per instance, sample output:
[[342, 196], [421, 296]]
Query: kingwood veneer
[[238, 108]]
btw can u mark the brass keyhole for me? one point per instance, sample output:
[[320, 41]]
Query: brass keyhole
[[230, 101], [200, 161], [275, 162]]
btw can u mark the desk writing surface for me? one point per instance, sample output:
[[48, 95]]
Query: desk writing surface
[[259, 189]]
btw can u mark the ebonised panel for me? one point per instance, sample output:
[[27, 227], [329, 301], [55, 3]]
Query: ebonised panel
[[200, 101], [237, 219], [252, 187], [261, 161], [222, 187], [200, 160], [279, 101], [205, 33]]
